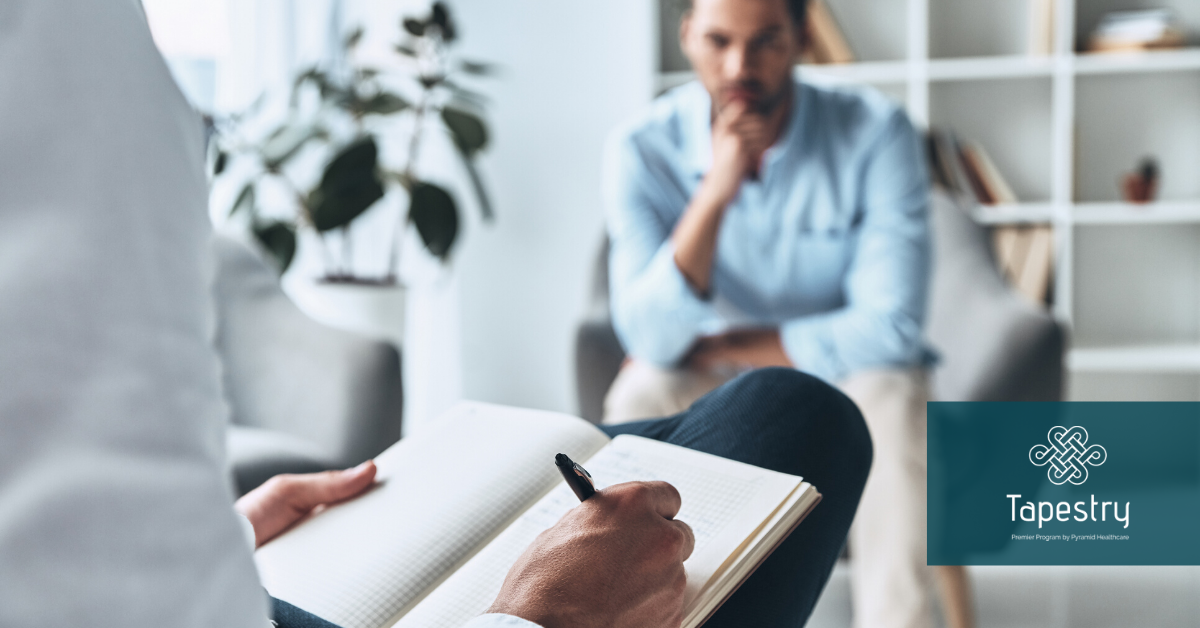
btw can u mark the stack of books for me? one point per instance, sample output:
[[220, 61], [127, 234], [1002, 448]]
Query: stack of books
[[965, 169], [827, 44], [1121, 31], [1024, 253]]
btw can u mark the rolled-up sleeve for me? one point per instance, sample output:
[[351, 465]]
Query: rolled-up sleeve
[[888, 280], [656, 313], [494, 620]]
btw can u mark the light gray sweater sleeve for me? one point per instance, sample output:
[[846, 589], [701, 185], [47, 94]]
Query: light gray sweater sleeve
[[115, 504]]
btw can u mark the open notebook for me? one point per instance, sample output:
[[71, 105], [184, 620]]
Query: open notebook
[[459, 501]]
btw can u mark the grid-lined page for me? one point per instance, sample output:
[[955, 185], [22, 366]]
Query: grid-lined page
[[444, 492], [724, 502]]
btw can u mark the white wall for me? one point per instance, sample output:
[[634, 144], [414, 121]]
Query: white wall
[[572, 70]]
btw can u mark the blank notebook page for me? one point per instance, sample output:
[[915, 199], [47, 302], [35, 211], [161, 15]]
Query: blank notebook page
[[724, 502], [444, 492]]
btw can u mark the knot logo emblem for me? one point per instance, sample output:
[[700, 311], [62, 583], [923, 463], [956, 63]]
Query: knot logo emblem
[[1068, 455]]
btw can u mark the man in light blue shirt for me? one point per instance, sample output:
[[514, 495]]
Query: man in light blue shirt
[[756, 220]]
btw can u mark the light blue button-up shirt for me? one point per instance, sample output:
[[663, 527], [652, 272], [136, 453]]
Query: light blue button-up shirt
[[830, 245]]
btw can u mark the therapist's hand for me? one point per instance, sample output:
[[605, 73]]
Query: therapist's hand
[[285, 499], [614, 561]]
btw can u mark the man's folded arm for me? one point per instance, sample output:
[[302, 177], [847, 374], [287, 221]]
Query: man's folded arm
[[656, 313], [888, 282]]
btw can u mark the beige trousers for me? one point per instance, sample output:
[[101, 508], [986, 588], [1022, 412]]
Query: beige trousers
[[890, 581]]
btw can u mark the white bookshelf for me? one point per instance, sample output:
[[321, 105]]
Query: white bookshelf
[[1063, 128], [1170, 358]]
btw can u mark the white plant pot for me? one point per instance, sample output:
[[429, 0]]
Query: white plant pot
[[374, 311]]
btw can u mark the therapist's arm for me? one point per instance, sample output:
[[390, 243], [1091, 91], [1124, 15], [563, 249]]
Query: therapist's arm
[[887, 284]]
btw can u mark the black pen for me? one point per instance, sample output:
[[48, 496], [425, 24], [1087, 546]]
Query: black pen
[[576, 476]]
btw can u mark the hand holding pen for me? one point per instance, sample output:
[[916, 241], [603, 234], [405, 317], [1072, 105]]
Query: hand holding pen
[[611, 580]]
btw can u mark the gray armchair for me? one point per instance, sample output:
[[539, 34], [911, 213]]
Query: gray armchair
[[303, 396], [994, 345]]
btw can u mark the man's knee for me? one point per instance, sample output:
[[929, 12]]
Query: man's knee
[[645, 391], [797, 406], [893, 403], [638, 392]]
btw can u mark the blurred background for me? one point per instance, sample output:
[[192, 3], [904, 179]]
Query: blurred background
[[1068, 130]]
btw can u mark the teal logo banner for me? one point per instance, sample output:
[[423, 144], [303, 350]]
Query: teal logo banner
[[1071, 483]]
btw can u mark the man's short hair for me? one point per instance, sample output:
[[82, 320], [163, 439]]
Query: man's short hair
[[797, 8]]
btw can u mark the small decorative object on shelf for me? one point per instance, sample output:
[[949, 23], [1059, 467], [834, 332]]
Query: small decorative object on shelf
[[1124, 31], [1141, 185], [335, 116]]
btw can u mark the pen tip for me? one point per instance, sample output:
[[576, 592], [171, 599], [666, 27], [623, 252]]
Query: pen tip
[[562, 460]]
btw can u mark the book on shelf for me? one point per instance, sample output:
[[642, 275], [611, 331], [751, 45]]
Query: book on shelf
[[1041, 27], [994, 184], [826, 43], [458, 502], [1120, 31], [965, 168], [974, 173], [1038, 267], [1024, 254], [944, 163], [1025, 257]]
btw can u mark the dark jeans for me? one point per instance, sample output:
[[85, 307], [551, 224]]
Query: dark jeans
[[777, 419]]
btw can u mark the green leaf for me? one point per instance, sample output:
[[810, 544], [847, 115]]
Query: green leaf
[[478, 68], [432, 211], [469, 132], [312, 74], [220, 163], [286, 141], [415, 27], [279, 239], [385, 103], [485, 202], [407, 51], [441, 17], [353, 38], [327, 88], [350, 185], [245, 200]]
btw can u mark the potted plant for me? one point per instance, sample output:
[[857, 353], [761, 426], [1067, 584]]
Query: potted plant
[[324, 158]]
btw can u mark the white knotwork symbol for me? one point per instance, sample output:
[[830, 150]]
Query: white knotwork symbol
[[1067, 455]]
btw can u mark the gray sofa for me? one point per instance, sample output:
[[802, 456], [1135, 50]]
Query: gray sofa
[[303, 396], [994, 345]]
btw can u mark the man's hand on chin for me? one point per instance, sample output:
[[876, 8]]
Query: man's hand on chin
[[284, 499], [614, 561], [741, 349]]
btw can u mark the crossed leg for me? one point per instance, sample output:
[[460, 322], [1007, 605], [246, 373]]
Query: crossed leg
[[788, 421]]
